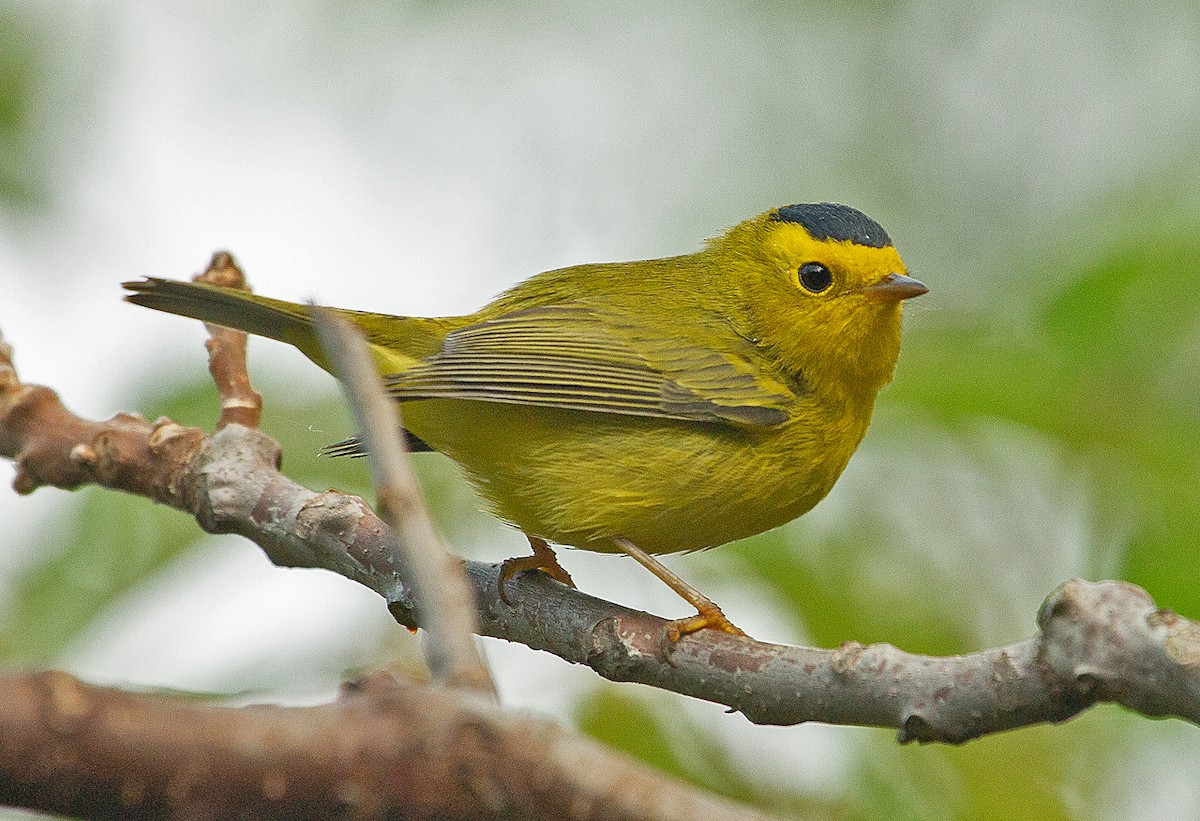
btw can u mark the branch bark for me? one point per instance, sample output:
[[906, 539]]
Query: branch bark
[[1103, 641], [443, 596], [386, 749]]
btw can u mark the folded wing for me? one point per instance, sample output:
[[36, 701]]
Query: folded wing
[[572, 356]]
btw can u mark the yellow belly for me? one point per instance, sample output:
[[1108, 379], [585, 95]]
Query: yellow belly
[[580, 478]]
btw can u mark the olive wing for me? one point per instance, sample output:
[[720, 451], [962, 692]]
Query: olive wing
[[572, 356]]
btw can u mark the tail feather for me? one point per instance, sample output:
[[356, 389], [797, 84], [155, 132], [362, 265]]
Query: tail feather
[[354, 447], [396, 342], [233, 308]]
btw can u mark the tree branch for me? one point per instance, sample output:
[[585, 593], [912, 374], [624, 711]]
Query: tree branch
[[226, 347], [1099, 642], [386, 749], [444, 598]]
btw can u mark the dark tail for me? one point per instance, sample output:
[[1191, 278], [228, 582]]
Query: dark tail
[[231, 307]]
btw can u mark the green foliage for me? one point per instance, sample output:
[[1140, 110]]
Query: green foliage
[[1105, 367], [21, 67], [651, 729], [100, 547]]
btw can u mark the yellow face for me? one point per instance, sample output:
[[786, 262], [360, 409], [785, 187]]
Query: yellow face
[[827, 296], [824, 270]]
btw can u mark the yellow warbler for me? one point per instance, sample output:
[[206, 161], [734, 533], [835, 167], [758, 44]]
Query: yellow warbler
[[642, 407]]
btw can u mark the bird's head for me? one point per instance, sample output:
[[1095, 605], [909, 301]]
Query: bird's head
[[824, 285]]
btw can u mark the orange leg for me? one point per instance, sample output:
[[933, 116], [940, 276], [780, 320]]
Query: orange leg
[[543, 559], [708, 614]]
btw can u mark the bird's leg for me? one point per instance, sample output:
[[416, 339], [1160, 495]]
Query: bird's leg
[[708, 614], [543, 559]]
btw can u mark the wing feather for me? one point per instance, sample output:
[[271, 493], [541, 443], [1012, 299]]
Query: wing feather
[[568, 356]]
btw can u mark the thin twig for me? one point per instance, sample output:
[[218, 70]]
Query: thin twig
[[240, 403], [445, 604]]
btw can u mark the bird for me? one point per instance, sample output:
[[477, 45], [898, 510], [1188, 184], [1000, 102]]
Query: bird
[[646, 407]]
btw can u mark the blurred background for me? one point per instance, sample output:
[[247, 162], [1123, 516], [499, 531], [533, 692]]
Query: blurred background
[[1035, 165]]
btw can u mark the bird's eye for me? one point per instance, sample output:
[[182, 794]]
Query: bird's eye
[[815, 277]]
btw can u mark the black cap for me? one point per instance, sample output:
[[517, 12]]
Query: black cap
[[828, 220]]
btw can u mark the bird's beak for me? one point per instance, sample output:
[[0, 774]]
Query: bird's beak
[[896, 286]]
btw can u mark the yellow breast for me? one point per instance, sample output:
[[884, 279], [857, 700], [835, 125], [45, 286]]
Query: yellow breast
[[580, 478]]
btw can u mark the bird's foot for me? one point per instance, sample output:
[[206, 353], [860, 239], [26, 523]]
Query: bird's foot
[[543, 559], [708, 616]]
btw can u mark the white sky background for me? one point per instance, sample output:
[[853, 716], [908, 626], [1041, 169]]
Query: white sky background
[[421, 158]]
